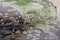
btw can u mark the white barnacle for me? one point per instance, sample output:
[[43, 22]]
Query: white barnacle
[[16, 13], [17, 32], [12, 19], [5, 16], [19, 16], [1, 20], [6, 13], [2, 23], [16, 18], [25, 32], [11, 9], [1, 14], [45, 38]]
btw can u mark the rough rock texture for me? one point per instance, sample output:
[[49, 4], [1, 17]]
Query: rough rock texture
[[6, 13], [11, 21], [50, 32]]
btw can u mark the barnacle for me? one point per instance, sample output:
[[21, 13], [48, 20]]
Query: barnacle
[[35, 15], [12, 24]]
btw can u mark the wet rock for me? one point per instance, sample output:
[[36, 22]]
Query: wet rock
[[34, 34]]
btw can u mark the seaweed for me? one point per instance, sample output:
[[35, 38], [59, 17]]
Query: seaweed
[[22, 2], [19, 2], [35, 17]]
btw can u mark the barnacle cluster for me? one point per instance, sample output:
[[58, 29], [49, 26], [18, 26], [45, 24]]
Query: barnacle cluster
[[11, 22]]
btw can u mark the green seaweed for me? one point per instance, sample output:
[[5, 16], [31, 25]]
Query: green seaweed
[[10, 0], [22, 2], [37, 17], [19, 2]]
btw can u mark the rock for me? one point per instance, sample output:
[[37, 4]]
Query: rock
[[35, 34]]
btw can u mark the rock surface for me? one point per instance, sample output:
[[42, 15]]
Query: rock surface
[[51, 32]]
